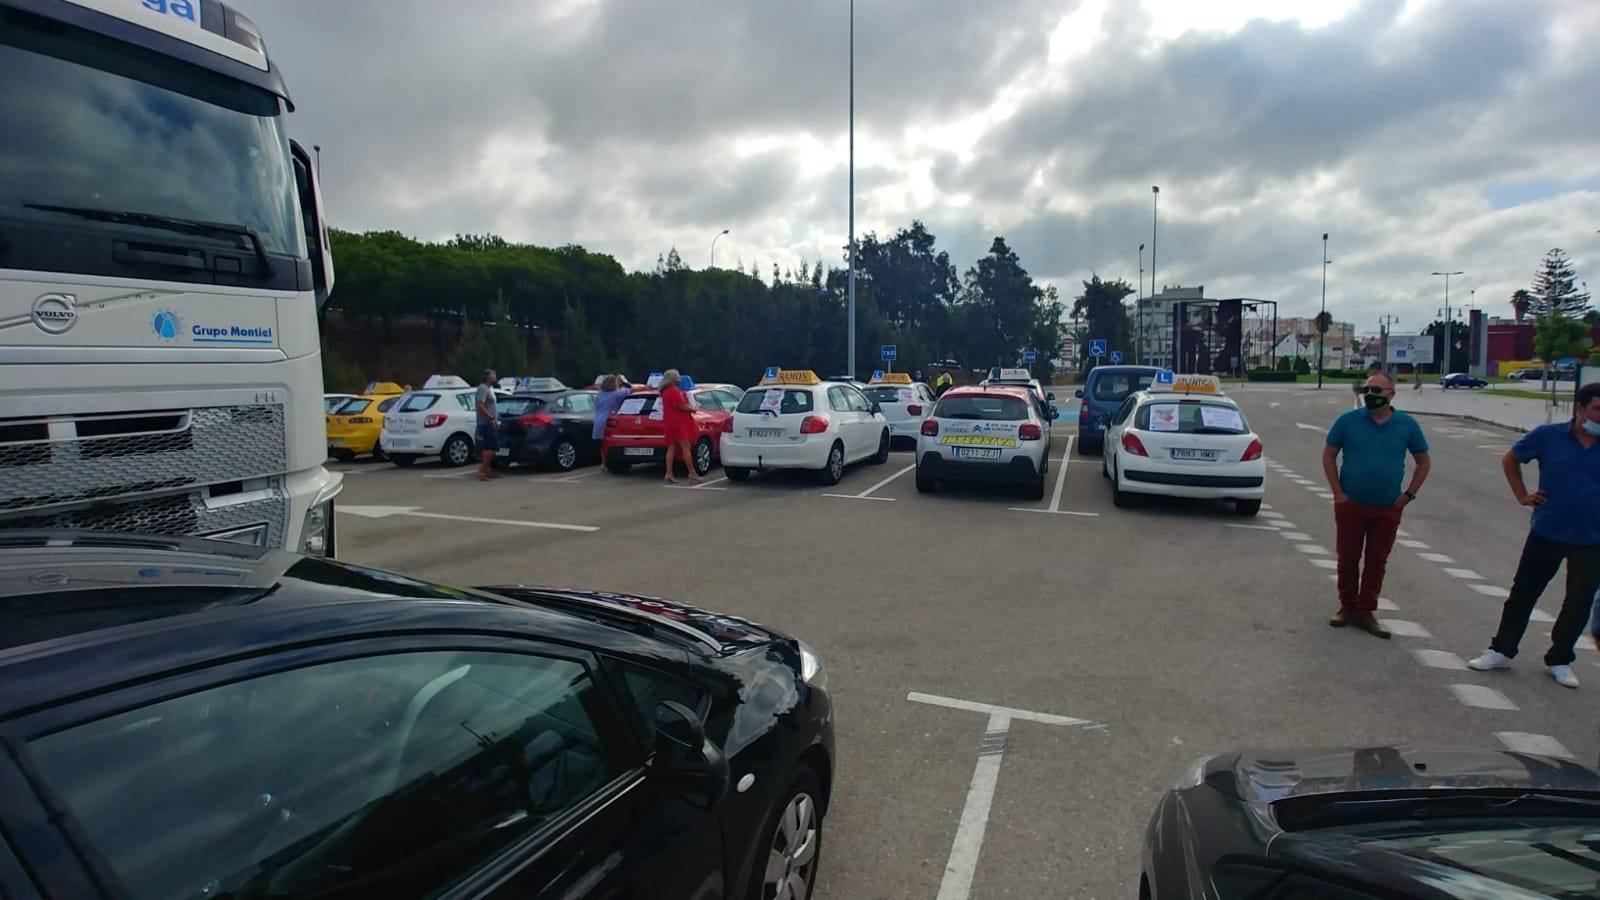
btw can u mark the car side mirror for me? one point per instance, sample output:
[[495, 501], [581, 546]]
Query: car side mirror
[[1054, 413], [685, 761], [876, 407], [1050, 396], [1078, 393]]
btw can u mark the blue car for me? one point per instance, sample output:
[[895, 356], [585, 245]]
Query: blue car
[[1102, 395]]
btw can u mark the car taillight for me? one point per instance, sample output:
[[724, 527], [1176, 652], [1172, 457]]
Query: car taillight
[[727, 425], [361, 420], [1132, 444], [930, 428], [534, 420], [914, 409], [1252, 452], [434, 420], [814, 425], [1083, 414], [1030, 432]]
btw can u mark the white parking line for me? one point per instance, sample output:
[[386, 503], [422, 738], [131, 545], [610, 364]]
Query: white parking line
[[1414, 545], [1491, 590], [1325, 563], [1268, 506], [1402, 532], [707, 485], [1384, 603], [867, 494], [1255, 527], [383, 512], [1295, 535], [1403, 628], [1270, 515], [581, 475], [1055, 497], [1538, 615], [461, 474], [1540, 744], [1440, 659], [1436, 557], [1312, 549], [1464, 574], [1481, 697], [1282, 523]]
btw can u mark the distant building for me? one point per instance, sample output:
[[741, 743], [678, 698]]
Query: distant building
[[1155, 315]]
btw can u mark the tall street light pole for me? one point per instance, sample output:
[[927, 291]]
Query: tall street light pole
[[1384, 322], [317, 149], [851, 369], [1138, 311], [1322, 331], [714, 247], [1447, 328], [1155, 200]]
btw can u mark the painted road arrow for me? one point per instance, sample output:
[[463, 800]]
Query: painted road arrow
[[384, 512]]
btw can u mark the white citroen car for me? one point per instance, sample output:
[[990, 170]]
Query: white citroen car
[[1184, 439], [997, 433], [794, 420]]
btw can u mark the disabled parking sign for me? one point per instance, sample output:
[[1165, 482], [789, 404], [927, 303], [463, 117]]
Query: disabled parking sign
[[1116, 357], [1097, 347]]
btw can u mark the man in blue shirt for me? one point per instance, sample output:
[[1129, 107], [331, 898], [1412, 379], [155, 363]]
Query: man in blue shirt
[[1566, 527], [1367, 499]]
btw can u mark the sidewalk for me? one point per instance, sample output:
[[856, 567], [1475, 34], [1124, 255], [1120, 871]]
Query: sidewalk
[[1517, 413]]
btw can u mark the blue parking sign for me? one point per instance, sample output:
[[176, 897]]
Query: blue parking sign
[[1029, 357], [1097, 347], [1116, 357], [890, 351]]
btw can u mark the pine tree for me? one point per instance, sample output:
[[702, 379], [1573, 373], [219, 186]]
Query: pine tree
[[1555, 287]]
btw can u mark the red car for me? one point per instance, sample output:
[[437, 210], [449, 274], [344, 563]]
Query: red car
[[636, 432]]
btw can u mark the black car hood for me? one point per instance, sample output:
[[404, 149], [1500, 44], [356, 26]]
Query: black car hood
[[1264, 776], [720, 632]]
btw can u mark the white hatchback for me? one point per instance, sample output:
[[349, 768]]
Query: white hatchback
[[998, 434], [1184, 440], [440, 421], [795, 420], [905, 403]]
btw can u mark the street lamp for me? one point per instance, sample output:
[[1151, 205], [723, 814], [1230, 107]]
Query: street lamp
[[852, 288], [1138, 311], [1177, 330], [714, 247], [1447, 327], [317, 149], [1322, 330]]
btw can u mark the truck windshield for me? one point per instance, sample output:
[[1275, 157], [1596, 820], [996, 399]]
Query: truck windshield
[[95, 125]]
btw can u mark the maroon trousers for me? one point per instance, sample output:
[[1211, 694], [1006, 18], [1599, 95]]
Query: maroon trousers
[[1366, 535]]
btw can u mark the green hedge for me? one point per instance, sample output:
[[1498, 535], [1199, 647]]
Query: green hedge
[[1269, 375]]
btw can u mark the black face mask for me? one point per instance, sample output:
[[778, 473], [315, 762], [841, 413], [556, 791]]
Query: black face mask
[[1375, 401]]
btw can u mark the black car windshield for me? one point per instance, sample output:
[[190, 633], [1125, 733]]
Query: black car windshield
[[97, 125], [982, 407]]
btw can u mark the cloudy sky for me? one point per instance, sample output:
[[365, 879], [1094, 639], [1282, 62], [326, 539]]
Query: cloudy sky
[[1422, 135]]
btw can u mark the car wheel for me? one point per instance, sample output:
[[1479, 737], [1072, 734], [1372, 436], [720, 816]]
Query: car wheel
[[565, 455], [882, 456], [1104, 472], [1092, 447], [830, 474], [1247, 507], [702, 456], [344, 455], [1036, 489], [926, 485], [793, 838], [736, 473], [618, 467], [402, 459], [457, 451], [1119, 497], [378, 454]]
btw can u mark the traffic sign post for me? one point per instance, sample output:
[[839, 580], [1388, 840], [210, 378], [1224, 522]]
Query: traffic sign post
[[1029, 357], [1097, 347], [1116, 357], [890, 352]]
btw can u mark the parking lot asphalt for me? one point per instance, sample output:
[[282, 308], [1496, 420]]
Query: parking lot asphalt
[[1147, 637]]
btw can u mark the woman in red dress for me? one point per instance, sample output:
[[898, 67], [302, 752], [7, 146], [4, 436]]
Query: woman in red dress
[[678, 417]]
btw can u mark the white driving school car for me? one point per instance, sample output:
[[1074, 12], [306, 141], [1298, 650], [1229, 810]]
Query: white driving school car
[[905, 403], [1184, 438], [794, 420], [987, 433], [439, 420]]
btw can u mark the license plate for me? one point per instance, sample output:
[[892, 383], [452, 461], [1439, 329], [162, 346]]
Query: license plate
[[398, 443], [638, 451], [335, 442], [766, 432], [976, 452], [503, 451], [1201, 455]]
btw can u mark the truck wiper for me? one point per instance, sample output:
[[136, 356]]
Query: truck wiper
[[170, 223]]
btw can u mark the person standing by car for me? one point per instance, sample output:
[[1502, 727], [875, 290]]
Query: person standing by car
[[1367, 499], [678, 417], [943, 382], [613, 390], [488, 431], [1565, 527]]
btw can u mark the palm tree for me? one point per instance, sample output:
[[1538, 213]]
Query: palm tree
[[1520, 301]]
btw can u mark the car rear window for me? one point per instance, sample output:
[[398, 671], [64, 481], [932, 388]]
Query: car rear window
[[883, 394], [637, 405], [982, 407], [521, 406], [419, 402], [1191, 417], [792, 401], [1116, 386], [351, 407]]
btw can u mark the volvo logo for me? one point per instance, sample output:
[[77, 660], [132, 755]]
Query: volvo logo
[[55, 313]]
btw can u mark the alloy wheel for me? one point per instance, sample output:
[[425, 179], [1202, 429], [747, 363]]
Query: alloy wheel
[[792, 859]]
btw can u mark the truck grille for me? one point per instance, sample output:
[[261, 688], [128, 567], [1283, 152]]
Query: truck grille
[[95, 458], [179, 514]]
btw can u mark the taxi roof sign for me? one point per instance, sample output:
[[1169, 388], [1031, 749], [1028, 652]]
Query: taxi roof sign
[[379, 388], [1013, 375], [530, 383], [1188, 384], [444, 381], [790, 376], [891, 378]]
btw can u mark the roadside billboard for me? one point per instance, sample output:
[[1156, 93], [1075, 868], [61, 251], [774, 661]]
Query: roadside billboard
[[1410, 349]]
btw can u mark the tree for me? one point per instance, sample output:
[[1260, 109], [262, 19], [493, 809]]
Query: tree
[[471, 354], [1000, 307], [1301, 367], [1555, 287], [1559, 336], [582, 355], [1521, 303], [1324, 321], [1285, 364], [1101, 305]]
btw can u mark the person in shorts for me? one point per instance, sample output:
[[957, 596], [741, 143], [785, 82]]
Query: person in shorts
[[488, 432]]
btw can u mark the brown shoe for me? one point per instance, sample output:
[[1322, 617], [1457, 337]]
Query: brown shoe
[[1340, 619], [1370, 625]]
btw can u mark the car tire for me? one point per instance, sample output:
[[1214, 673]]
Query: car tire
[[1036, 489], [701, 456], [457, 451], [402, 459], [618, 467], [833, 470], [926, 485], [801, 801], [882, 456], [1104, 472], [1119, 497], [378, 454], [564, 455], [736, 473], [344, 455], [1092, 447], [1247, 507]]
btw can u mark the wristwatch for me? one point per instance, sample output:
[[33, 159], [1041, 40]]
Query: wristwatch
[[1410, 496]]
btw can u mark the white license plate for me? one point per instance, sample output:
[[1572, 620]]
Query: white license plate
[[1201, 455], [398, 443], [638, 451], [335, 442], [976, 452], [503, 451], [766, 432]]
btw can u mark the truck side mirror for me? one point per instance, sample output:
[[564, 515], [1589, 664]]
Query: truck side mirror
[[316, 222]]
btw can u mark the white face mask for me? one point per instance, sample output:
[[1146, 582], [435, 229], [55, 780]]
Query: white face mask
[[1592, 427]]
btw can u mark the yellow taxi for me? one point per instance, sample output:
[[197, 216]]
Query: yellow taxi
[[353, 428]]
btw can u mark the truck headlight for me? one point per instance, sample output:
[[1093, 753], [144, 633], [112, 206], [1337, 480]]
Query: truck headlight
[[316, 535], [811, 670]]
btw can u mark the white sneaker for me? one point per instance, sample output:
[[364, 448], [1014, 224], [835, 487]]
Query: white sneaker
[[1563, 675], [1490, 659]]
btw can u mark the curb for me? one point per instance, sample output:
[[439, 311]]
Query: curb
[[1479, 419]]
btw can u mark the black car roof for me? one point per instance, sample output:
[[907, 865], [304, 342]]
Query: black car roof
[[81, 612]]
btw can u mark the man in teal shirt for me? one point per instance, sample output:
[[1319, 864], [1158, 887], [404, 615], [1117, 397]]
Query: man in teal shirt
[[1367, 499]]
